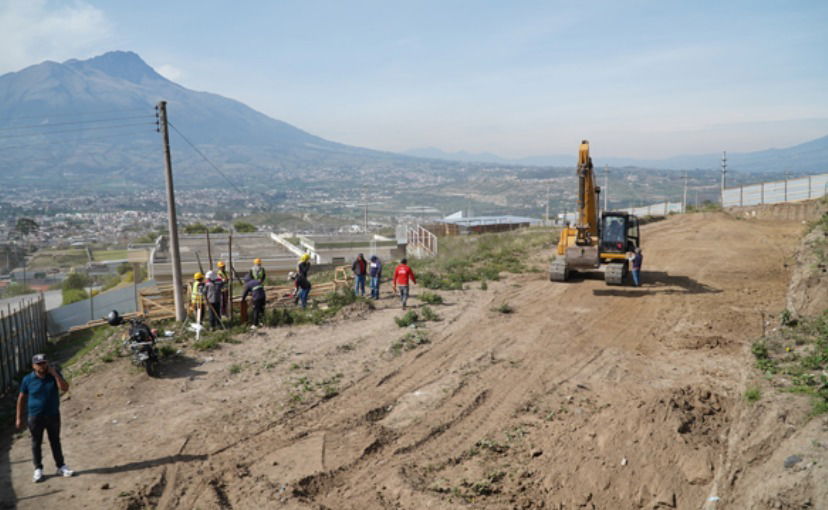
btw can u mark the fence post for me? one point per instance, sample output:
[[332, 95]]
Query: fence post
[[741, 195], [786, 189], [809, 187], [762, 199], [3, 375]]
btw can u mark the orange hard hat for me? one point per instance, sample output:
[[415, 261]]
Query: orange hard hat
[[220, 264], [257, 261]]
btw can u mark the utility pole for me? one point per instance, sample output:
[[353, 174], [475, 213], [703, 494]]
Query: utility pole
[[724, 174], [684, 200], [175, 254], [547, 205], [606, 187], [365, 218]]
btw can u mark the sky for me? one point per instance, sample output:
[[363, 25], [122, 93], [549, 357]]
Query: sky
[[643, 79]]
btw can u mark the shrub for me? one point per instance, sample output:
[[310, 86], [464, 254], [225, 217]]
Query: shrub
[[431, 298], [409, 341], [73, 296], [505, 308], [759, 349], [408, 319], [429, 314], [752, 395]]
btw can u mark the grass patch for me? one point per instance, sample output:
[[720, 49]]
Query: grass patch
[[753, 395], [235, 368], [409, 342], [318, 313], [431, 298], [795, 358], [429, 314], [465, 259], [505, 308], [410, 317]]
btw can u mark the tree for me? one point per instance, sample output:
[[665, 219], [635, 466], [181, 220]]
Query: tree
[[26, 226], [195, 228], [76, 281], [218, 229], [243, 227]]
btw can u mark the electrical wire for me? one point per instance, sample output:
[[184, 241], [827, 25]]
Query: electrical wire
[[88, 121], [66, 142], [94, 128], [205, 157], [78, 114]]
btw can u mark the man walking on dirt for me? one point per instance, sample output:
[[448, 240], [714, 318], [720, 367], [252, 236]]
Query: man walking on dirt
[[39, 393], [375, 270], [402, 276]]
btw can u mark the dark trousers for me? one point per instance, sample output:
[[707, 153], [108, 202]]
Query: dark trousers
[[51, 424], [258, 311], [215, 318], [359, 285]]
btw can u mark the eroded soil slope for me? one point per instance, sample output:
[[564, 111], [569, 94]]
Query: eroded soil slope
[[586, 396]]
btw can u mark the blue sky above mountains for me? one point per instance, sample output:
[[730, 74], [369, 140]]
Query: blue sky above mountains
[[640, 79]]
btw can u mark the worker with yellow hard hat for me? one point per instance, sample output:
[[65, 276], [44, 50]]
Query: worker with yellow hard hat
[[302, 281], [221, 275], [197, 296], [257, 272]]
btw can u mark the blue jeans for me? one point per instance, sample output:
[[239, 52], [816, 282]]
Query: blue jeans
[[359, 285], [403, 294], [636, 273], [303, 296], [375, 283]]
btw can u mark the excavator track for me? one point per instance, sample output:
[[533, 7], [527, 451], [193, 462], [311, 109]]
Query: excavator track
[[559, 272], [614, 274]]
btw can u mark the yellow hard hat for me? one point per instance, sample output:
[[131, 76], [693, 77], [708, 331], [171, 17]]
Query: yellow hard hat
[[198, 276], [257, 261], [220, 264], [304, 258]]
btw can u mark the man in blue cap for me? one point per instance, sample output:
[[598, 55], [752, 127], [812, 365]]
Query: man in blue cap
[[41, 391]]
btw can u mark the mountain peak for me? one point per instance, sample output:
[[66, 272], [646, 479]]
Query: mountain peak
[[126, 65]]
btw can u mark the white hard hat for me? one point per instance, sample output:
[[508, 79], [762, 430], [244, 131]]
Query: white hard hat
[[210, 275]]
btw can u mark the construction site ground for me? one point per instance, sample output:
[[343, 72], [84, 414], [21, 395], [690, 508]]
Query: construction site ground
[[585, 396]]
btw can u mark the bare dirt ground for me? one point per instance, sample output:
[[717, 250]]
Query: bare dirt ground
[[586, 396]]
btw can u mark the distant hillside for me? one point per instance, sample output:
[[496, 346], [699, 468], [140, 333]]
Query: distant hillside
[[94, 118], [808, 157]]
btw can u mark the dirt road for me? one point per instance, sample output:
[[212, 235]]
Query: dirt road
[[586, 396]]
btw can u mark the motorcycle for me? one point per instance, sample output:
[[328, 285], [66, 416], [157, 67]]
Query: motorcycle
[[140, 342]]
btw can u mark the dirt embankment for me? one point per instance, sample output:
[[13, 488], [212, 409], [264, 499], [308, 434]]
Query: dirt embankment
[[586, 396]]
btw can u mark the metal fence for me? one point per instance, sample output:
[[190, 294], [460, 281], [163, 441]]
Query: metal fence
[[659, 209], [124, 300], [789, 190], [22, 335]]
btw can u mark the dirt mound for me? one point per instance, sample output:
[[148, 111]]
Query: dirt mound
[[354, 311], [808, 289], [583, 397]]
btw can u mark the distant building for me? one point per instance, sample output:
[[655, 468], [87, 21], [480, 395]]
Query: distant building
[[457, 224]]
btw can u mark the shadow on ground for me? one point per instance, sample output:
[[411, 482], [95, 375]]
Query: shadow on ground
[[659, 283]]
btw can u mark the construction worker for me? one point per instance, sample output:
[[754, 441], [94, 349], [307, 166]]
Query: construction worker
[[212, 294], [302, 279], [222, 275], [197, 296], [359, 268], [403, 276], [257, 272], [256, 291], [375, 271]]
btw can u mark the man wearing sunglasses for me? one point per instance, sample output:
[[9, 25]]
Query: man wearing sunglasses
[[41, 391]]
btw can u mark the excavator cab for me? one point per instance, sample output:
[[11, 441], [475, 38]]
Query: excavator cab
[[619, 232]]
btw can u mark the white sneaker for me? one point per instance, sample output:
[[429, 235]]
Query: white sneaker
[[65, 471], [38, 475]]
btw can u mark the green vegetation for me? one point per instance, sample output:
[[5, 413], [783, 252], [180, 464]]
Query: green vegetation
[[410, 317], [103, 255], [409, 341], [706, 206], [429, 314], [796, 358], [505, 308], [16, 289], [244, 227], [753, 395], [74, 288], [304, 386], [45, 259], [483, 257], [318, 312], [235, 368], [431, 298]]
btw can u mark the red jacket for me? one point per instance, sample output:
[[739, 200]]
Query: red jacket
[[402, 274]]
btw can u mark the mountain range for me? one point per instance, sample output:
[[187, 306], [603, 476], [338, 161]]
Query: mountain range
[[808, 157], [92, 123]]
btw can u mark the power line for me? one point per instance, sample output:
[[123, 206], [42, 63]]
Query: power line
[[94, 128], [66, 142], [78, 114], [88, 121], [205, 158]]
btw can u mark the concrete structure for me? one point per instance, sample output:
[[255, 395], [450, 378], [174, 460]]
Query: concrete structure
[[481, 224], [277, 259], [337, 250]]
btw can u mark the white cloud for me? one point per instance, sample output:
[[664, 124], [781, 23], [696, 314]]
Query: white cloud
[[169, 72], [32, 31]]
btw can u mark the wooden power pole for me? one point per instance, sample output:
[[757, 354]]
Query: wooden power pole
[[175, 254]]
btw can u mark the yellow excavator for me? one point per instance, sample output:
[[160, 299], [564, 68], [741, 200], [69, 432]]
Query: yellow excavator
[[592, 245]]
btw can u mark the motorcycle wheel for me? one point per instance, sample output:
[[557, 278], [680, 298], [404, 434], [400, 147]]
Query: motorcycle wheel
[[151, 366]]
